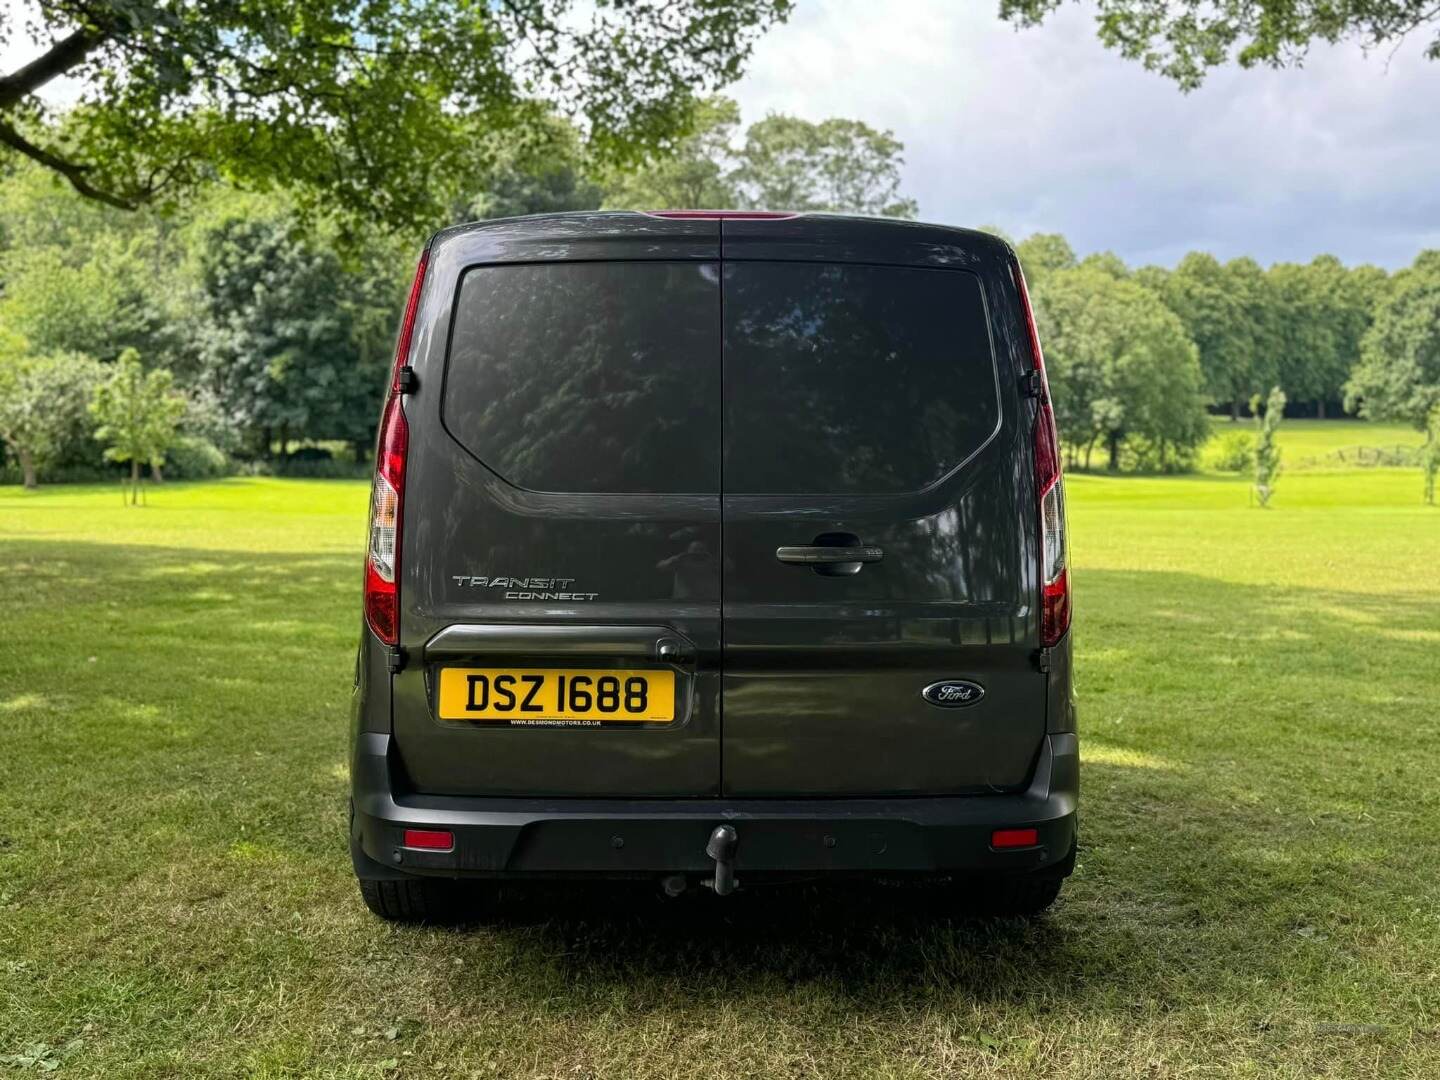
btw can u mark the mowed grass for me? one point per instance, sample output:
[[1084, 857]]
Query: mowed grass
[[1257, 891], [1318, 443]]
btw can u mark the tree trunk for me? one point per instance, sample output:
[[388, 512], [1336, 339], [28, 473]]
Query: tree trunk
[[1114, 439], [1235, 410], [27, 467], [266, 452], [284, 442], [1320, 408], [134, 481], [1089, 446], [157, 473]]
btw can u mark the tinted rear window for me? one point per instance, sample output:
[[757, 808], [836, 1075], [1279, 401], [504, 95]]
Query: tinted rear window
[[853, 379], [589, 377]]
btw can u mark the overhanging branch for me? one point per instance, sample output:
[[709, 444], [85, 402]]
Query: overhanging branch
[[73, 172], [62, 57]]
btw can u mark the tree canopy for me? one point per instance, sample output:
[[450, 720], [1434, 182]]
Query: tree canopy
[[1398, 377], [1184, 39], [368, 108], [782, 163], [1120, 364]]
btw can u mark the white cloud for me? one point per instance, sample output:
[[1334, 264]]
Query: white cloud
[[1046, 130]]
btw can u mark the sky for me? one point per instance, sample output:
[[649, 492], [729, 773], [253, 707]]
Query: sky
[[1045, 130]]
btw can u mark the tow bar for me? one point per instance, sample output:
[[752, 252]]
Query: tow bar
[[721, 848]]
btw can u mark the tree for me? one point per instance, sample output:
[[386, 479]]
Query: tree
[[695, 174], [1120, 367], [1041, 254], [368, 108], [783, 163], [1259, 328], [1322, 311], [1398, 377], [1107, 262], [837, 165], [1267, 451], [82, 277], [43, 404], [1183, 39], [542, 174], [1216, 318], [138, 413], [295, 343], [1430, 454]]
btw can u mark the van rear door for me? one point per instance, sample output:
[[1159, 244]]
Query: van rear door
[[872, 407], [560, 552]]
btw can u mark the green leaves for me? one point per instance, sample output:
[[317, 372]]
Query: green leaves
[[1121, 366], [1267, 451], [1398, 377], [783, 163], [1183, 39], [373, 109], [43, 406], [138, 413]]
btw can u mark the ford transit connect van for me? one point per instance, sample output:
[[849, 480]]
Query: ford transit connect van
[[715, 549]]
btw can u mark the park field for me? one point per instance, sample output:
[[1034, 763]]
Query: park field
[[1308, 444], [1257, 891]]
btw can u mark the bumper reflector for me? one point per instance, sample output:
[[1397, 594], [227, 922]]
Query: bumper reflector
[[1014, 838], [429, 839]]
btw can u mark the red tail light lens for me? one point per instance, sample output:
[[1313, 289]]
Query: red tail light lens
[[1050, 487], [429, 839], [387, 491], [1014, 838]]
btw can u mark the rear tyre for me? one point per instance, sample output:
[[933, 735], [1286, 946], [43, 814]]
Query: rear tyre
[[413, 900]]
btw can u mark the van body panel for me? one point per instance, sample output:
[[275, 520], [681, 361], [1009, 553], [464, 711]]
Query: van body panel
[[613, 571], [824, 673]]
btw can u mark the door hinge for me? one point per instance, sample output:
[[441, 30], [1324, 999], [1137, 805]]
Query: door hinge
[[405, 379], [1042, 660], [1031, 384], [397, 657]]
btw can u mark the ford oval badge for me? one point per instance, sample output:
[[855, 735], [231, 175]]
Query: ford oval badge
[[953, 693]]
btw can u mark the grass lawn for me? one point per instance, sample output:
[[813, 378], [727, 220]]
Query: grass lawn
[[1312, 443], [1257, 893]]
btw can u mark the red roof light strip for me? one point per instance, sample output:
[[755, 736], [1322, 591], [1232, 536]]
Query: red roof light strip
[[758, 215]]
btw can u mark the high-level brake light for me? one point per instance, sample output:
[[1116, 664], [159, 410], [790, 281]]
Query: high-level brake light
[[755, 215], [382, 560], [1050, 488]]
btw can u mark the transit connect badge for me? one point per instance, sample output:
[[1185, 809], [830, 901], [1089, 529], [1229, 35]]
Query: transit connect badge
[[953, 693]]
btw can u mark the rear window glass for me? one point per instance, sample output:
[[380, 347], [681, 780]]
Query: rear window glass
[[589, 377], [853, 379]]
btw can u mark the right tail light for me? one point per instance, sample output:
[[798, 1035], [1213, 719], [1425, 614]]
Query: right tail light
[[1050, 488]]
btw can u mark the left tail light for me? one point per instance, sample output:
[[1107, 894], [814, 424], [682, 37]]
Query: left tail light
[[387, 491], [1050, 489]]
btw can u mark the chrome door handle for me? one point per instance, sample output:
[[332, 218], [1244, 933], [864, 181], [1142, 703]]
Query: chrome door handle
[[817, 555]]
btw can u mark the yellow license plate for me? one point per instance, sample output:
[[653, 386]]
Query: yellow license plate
[[551, 696]]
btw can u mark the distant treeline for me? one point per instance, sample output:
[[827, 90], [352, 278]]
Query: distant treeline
[[277, 321]]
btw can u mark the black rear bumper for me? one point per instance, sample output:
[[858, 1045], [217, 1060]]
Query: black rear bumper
[[515, 837]]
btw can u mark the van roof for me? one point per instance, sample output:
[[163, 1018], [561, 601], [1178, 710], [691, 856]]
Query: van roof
[[905, 242]]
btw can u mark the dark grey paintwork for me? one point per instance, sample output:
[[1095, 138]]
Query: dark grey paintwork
[[818, 676]]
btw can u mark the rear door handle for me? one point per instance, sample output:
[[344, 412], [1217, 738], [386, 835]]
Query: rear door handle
[[817, 555]]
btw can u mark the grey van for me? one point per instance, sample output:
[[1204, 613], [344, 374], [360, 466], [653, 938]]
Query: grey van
[[715, 549]]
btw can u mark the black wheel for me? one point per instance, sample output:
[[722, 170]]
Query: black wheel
[[1021, 896], [413, 900]]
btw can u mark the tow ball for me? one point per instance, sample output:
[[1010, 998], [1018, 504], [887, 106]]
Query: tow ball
[[721, 848]]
